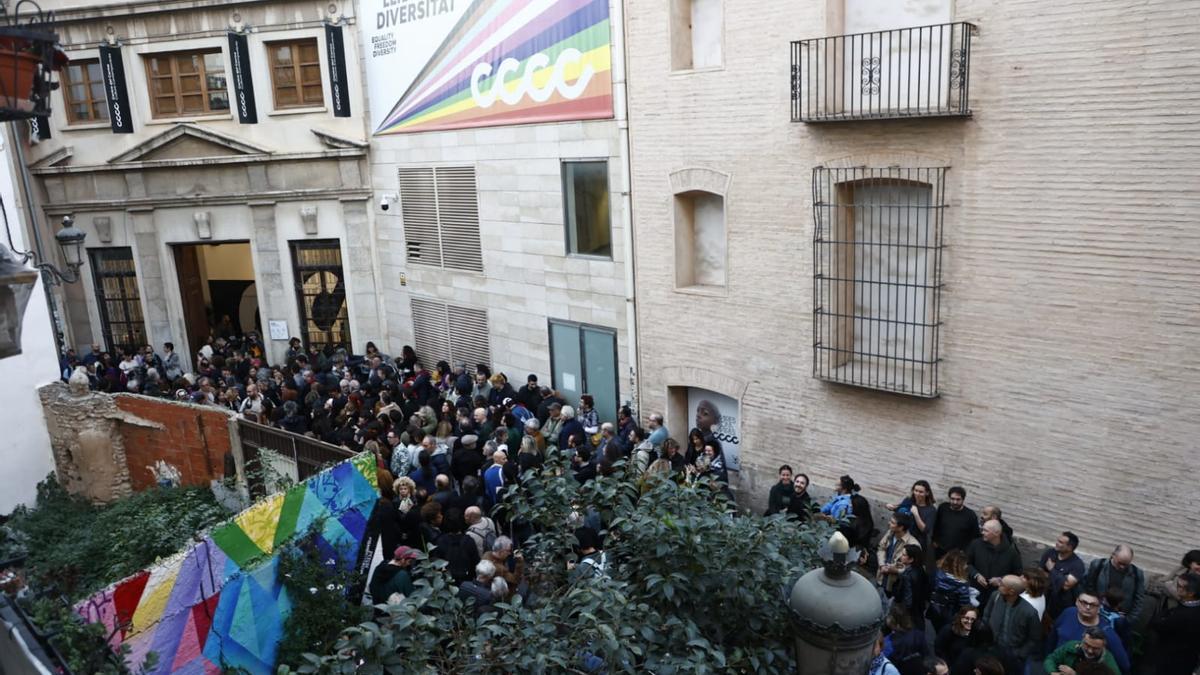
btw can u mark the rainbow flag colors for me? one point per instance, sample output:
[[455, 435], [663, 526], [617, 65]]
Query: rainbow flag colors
[[513, 62], [219, 604]]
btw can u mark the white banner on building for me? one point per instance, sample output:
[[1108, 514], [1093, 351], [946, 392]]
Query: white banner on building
[[718, 414]]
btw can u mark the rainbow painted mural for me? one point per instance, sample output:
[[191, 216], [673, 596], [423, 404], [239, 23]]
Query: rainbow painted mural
[[219, 604], [513, 62]]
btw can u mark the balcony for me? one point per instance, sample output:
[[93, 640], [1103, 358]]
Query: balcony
[[922, 71]]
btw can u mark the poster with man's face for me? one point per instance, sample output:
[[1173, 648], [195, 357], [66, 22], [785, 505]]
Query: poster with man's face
[[717, 414]]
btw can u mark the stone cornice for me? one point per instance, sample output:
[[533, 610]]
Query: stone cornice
[[341, 153], [170, 201]]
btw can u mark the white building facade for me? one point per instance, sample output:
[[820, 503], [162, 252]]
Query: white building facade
[[25, 452], [498, 158], [216, 158]]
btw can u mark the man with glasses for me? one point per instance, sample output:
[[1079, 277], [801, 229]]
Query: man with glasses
[[1075, 621], [1089, 649], [1118, 571]]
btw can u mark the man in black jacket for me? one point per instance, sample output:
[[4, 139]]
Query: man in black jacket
[[990, 559], [956, 525]]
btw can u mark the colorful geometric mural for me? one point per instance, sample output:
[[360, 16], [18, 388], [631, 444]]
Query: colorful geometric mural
[[507, 62], [219, 603]]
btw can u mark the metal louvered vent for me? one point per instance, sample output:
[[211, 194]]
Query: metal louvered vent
[[441, 217], [450, 333], [458, 214], [418, 205]]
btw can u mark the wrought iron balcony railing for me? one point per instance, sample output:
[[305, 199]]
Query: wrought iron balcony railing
[[922, 71]]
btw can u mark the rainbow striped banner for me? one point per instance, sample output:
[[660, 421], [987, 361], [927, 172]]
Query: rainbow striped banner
[[512, 62]]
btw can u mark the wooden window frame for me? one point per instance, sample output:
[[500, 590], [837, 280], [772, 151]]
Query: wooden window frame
[[174, 78], [97, 106], [298, 84]]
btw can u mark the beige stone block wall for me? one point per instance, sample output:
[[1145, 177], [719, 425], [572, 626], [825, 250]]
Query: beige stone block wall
[[1071, 311], [527, 278]]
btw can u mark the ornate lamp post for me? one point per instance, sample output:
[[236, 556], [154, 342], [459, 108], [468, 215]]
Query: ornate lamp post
[[840, 614]]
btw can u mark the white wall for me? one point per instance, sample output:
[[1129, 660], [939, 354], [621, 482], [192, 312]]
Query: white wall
[[25, 452]]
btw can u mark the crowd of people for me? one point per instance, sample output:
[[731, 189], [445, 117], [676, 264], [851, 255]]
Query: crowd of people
[[450, 440], [960, 599]]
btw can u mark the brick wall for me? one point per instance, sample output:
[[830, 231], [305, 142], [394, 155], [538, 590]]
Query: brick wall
[[1070, 306], [192, 438]]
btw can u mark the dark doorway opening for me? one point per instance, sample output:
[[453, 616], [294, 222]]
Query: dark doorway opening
[[218, 290]]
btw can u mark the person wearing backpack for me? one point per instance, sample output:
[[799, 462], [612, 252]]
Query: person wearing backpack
[[456, 548], [481, 529], [593, 562]]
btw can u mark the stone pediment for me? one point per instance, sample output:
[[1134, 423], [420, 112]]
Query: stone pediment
[[188, 141]]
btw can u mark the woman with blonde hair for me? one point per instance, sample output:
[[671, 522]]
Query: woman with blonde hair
[[406, 493]]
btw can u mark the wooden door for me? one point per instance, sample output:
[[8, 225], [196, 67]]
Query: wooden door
[[195, 319]]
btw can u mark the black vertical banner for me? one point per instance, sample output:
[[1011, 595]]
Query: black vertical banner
[[39, 129], [338, 90], [113, 69], [243, 83]]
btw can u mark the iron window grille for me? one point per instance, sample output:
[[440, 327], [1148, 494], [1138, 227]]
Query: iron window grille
[[877, 279], [120, 305], [922, 71], [321, 292]]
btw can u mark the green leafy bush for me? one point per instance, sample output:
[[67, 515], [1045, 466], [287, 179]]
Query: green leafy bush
[[691, 588], [78, 548], [321, 607]]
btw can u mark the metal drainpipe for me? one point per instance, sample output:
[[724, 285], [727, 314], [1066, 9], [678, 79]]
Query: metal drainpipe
[[47, 287], [620, 100]]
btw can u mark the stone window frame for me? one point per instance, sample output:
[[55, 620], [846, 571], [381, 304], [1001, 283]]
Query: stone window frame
[[682, 182], [676, 34], [678, 379]]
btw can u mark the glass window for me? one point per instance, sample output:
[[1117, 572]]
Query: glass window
[[296, 73], [585, 197], [187, 83], [115, 280], [83, 91]]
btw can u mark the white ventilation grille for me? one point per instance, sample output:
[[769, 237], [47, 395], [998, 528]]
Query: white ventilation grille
[[441, 217], [450, 333]]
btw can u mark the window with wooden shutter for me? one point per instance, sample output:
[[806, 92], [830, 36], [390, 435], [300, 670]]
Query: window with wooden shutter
[[187, 83], [452, 333], [441, 217]]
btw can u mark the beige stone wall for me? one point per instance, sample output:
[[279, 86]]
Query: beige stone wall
[[1071, 311], [528, 278]]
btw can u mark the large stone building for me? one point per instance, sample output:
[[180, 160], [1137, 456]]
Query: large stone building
[[498, 156], [965, 252], [215, 155]]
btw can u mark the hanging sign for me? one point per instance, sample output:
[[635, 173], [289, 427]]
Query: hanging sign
[[243, 83], [338, 89], [115, 91]]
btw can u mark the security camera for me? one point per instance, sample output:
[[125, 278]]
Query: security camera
[[385, 201]]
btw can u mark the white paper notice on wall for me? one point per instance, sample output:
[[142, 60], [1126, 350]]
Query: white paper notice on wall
[[568, 381], [279, 330]]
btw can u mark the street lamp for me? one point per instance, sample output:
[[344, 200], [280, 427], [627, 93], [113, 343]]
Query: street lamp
[[70, 242], [16, 285]]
